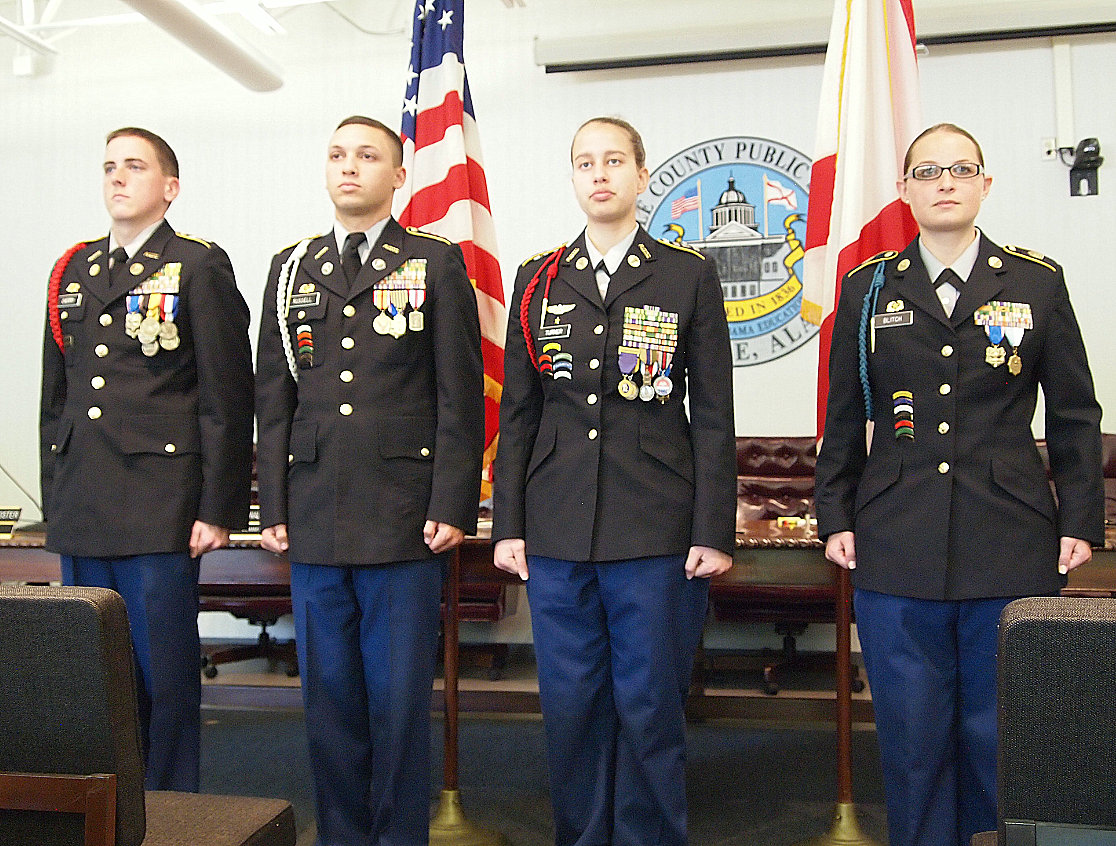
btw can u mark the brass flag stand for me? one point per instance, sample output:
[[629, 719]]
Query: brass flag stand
[[845, 830], [449, 826]]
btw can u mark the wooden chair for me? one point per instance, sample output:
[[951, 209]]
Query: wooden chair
[[71, 767]]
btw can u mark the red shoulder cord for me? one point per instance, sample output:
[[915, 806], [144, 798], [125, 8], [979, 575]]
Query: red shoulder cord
[[550, 265], [52, 293]]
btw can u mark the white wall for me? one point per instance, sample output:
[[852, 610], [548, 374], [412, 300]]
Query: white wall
[[252, 164]]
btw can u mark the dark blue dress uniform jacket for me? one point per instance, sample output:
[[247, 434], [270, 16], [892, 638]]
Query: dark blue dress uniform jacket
[[356, 484], [583, 474], [963, 510], [136, 448]]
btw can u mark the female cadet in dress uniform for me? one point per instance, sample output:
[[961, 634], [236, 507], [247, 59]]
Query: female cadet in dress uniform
[[610, 499], [948, 516]]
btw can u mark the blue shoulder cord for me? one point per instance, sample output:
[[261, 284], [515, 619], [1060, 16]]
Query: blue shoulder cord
[[868, 309]]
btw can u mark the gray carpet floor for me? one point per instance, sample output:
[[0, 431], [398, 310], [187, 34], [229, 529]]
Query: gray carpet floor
[[746, 786]]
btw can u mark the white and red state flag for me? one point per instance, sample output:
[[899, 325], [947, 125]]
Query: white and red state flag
[[776, 193], [446, 192], [870, 112]]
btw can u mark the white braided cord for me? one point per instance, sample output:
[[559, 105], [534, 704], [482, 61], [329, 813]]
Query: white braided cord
[[283, 301]]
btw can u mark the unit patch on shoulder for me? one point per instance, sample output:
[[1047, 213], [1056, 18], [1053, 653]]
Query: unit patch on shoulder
[[886, 255], [413, 231], [1030, 255], [682, 248]]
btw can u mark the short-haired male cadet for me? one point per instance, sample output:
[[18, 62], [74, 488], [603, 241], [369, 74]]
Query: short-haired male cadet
[[146, 431], [371, 429]]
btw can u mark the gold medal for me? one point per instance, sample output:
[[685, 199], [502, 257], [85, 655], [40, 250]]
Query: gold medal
[[398, 326], [149, 349], [167, 330], [415, 321], [170, 343], [627, 388], [995, 355], [382, 324], [132, 322], [148, 330], [1015, 364]]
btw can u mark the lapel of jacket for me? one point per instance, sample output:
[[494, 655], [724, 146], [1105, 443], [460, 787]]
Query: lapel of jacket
[[388, 254], [985, 282], [574, 270], [634, 269], [141, 266], [913, 282], [93, 270], [323, 265]]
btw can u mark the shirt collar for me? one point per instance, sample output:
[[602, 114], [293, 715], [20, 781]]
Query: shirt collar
[[141, 239], [615, 255], [962, 266], [371, 234]]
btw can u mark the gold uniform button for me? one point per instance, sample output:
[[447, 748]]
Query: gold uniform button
[[943, 467], [594, 363], [945, 389], [100, 350], [346, 409], [591, 399], [424, 452], [290, 458], [54, 447], [106, 319], [63, 315], [943, 427], [169, 448], [947, 351], [592, 434], [97, 382], [302, 315], [349, 310], [348, 343], [346, 375], [94, 413], [598, 329]]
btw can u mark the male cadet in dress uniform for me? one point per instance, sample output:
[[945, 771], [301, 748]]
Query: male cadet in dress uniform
[[949, 516], [371, 429], [146, 428], [611, 503]]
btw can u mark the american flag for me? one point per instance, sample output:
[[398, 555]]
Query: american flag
[[685, 203], [446, 192], [869, 114]]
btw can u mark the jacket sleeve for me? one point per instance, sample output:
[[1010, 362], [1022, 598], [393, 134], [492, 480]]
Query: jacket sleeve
[[459, 371], [520, 412], [218, 318], [843, 452], [276, 399], [712, 423], [1073, 436], [52, 402]]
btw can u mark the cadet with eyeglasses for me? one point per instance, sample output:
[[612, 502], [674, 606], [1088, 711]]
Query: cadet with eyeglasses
[[940, 350]]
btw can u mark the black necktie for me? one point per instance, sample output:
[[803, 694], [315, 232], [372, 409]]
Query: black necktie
[[350, 256], [597, 271], [118, 272], [948, 276]]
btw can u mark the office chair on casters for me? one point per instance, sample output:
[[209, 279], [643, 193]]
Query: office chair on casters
[[71, 768]]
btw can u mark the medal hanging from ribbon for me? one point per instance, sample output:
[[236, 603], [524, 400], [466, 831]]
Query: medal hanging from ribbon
[[134, 316], [382, 322], [651, 337], [168, 329], [1004, 320], [148, 333]]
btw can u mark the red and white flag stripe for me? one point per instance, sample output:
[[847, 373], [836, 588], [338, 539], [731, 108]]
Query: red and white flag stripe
[[870, 112]]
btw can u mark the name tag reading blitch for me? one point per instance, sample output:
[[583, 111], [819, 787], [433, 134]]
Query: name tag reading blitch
[[899, 318], [551, 332]]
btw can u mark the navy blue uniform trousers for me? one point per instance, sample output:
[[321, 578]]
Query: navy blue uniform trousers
[[932, 669], [367, 645], [615, 643], [161, 594]]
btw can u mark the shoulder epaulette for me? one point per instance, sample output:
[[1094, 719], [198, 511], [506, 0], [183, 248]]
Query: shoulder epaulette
[[195, 239], [543, 254], [300, 240], [886, 255], [413, 231], [1030, 255], [682, 248]]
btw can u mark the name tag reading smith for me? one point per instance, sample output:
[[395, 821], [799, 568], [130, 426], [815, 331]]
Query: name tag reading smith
[[898, 318]]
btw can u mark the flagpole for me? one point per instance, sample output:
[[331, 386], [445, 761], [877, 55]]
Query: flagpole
[[701, 216], [449, 826]]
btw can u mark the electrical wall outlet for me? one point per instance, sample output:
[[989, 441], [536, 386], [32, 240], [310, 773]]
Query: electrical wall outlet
[[1049, 149]]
